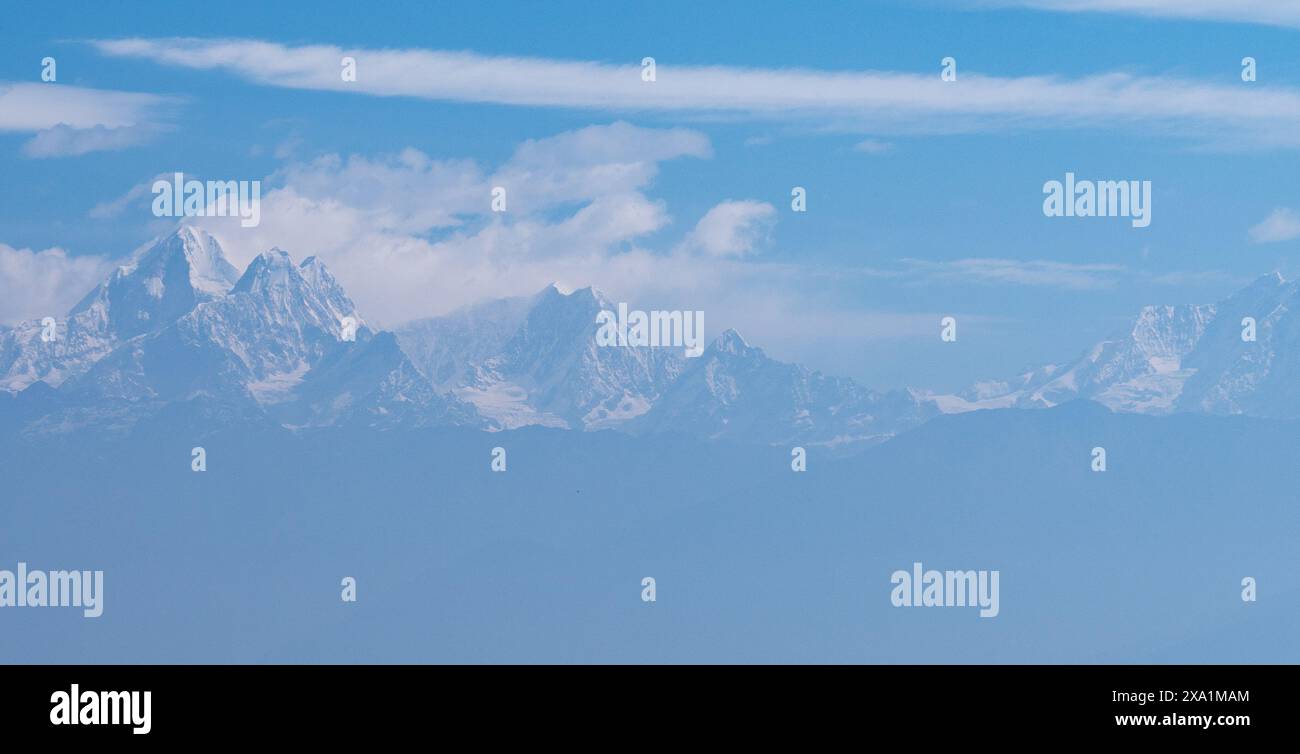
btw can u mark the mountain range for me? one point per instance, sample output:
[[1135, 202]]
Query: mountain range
[[179, 325], [1172, 359], [535, 360], [179, 329]]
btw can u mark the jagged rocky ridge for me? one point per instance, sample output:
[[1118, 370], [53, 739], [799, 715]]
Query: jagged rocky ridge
[[179, 326], [181, 330], [535, 360], [1185, 358]]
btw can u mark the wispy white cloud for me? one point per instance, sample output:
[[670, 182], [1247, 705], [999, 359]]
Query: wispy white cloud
[[865, 100], [1269, 12], [872, 146], [137, 195], [410, 236], [593, 162], [1281, 225], [1039, 273], [45, 283], [1223, 279], [34, 107], [413, 236], [73, 120], [732, 228], [1035, 272], [65, 141]]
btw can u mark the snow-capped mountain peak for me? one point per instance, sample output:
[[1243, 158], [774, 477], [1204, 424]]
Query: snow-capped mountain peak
[[271, 268], [283, 341], [736, 391], [535, 360], [206, 265], [1186, 357], [278, 343], [730, 342], [307, 293], [163, 283]]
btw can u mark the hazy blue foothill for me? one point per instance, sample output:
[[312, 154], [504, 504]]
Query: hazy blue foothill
[[753, 562]]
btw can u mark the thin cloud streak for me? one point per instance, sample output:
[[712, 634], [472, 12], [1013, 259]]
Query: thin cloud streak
[[71, 120], [36, 107], [1284, 13], [882, 100]]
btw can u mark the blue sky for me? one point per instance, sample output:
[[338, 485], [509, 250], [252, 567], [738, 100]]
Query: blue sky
[[924, 197]]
